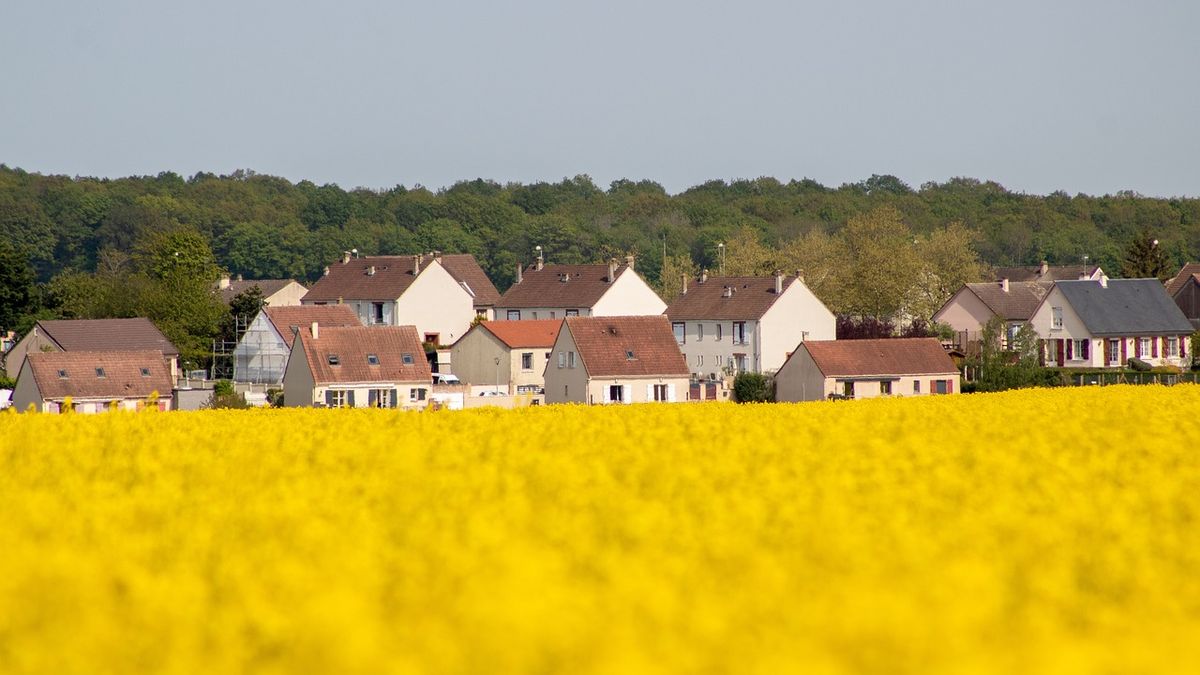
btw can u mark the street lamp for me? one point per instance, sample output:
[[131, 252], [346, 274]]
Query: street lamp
[[721, 253], [497, 360]]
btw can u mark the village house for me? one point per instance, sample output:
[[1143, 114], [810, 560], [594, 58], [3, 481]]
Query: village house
[[866, 369], [357, 367], [93, 381], [92, 335], [1102, 324], [616, 359], [275, 292], [262, 352], [439, 294], [510, 355], [1184, 289], [970, 309], [745, 324], [1047, 273], [559, 291]]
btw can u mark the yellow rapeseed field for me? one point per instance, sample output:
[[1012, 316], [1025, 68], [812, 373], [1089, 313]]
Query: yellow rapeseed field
[[1027, 532]]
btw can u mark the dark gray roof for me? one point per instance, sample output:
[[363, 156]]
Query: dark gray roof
[[1126, 307]]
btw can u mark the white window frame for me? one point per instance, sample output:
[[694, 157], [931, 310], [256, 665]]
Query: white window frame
[[699, 332], [718, 331], [739, 333], [1145, 348], [510, 317], [1172, 347], [338, 398], [660, 393], [570, 359], [1114, 350], [417, 394], [562, 359], [1056, 318], [1077, 350], [885, 388], [526, 357], [679, 328]]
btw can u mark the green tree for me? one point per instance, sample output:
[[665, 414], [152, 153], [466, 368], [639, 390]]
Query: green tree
[[1144, 259], [1016, 367], [753, 388], [16, 286], [674, 269]]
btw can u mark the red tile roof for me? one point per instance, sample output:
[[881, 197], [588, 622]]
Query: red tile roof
[[393, 275], [530, 333], [748, 298], [604, 344], [97, 335], [568, 286], [391, 345], [897, 356], [62, 374], [284, 318]]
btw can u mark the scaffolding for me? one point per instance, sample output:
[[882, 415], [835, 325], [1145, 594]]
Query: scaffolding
[[222, 367]]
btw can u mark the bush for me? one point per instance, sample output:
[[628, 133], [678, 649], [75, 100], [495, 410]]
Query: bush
[[753, 388], [1140, 365], [224, 396], [275, 398]]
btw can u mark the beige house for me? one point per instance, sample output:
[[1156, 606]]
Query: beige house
[[560, 291], [1103, 324], [511, 355], [275, 292], [93, 381], [92, 335], [820, 370], [262, 352], [969, 310], [745, 324], [439, 294], [616, 359], [357, 367]]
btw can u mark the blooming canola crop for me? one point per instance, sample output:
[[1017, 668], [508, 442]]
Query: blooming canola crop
[[1044, 531]]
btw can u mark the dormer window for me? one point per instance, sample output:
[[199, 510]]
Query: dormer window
[[100, 373], [145, 372], [407, 359], [372, 359], [334, 360]]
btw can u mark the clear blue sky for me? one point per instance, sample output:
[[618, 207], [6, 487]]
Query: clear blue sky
[[1089, 97]]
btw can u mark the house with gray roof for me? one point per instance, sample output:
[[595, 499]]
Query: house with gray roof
[[1104, 323]]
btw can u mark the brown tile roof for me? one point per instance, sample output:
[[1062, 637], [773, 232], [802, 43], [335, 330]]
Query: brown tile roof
[[529, 333], [352, 345], [393, 275], [897, 356], [605, 341], [750, 298], [569, 286], [98, 335], [465, 270], [1186, 273], [123, 376], [268, 287], [1035, 273], [283, 318], [1018, 303]]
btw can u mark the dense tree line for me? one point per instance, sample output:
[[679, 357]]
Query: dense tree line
[[874, 248]]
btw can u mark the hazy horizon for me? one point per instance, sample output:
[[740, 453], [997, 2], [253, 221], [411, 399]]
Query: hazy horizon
[[1083, 97]]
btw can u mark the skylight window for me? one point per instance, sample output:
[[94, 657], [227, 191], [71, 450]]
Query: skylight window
[[62, 374], [334, 360], [407, 359], [629, 354], [145, 372], [100, 372], [372, 359]]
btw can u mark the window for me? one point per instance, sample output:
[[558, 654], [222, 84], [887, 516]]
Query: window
[[572, 312], [382, 398], [739, 332], [1056, 320], [100, 373], [406, 359], [614, 393], [570, 359], [699, 332], [334, 360], [514, 315], [562, 359], [1114, 351], [717, 330], [916, 386], [939, 387], [336, 398], [720, 360], [1173, 347], [885, 388], [376, 312], [699, 359], [1010, 335], [848, 389], [1143, 347], [527, 361], [145, 372], [434, 339], [416, 394], [740, 362], [566, 391], [372, 359], [680, 331], [1080, 350], [660, 392]]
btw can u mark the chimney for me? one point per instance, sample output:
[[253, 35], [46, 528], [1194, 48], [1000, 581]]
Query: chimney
[[727, 292], [778, 282], [316, 333], [1103, 281], [612, 270], [800, 276], [240, 278], [629, 261], [345, 257], [519, 271], [223, 283], [1045, 269], [1004, 284], [416, 265], [704, 275], [685, 276], [371, 271], [340, 300], [541, 260], [326, 272]]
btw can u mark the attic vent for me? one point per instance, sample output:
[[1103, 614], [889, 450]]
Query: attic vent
[[629, 355], [406, 359], [334, 360], [372, 359], [100, 372], [145, 372], [62, 374]]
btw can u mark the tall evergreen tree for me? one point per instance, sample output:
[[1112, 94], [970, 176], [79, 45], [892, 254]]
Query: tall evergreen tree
[[1144, 259]]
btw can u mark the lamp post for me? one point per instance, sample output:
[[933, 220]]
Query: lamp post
[[721, 253], [497, 360]]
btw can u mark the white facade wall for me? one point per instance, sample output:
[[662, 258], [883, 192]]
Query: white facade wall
[[636, 390], [436, 304], [705, 353], [629, 295], [796, 316], [1074, 329]]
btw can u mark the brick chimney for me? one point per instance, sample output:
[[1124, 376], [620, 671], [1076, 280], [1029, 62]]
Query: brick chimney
[[704, 275], [371, 270], [629, 261], [223, 282], [541, 260], [345, 257], [1045, 269], [1004, 284], [316, 330]]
